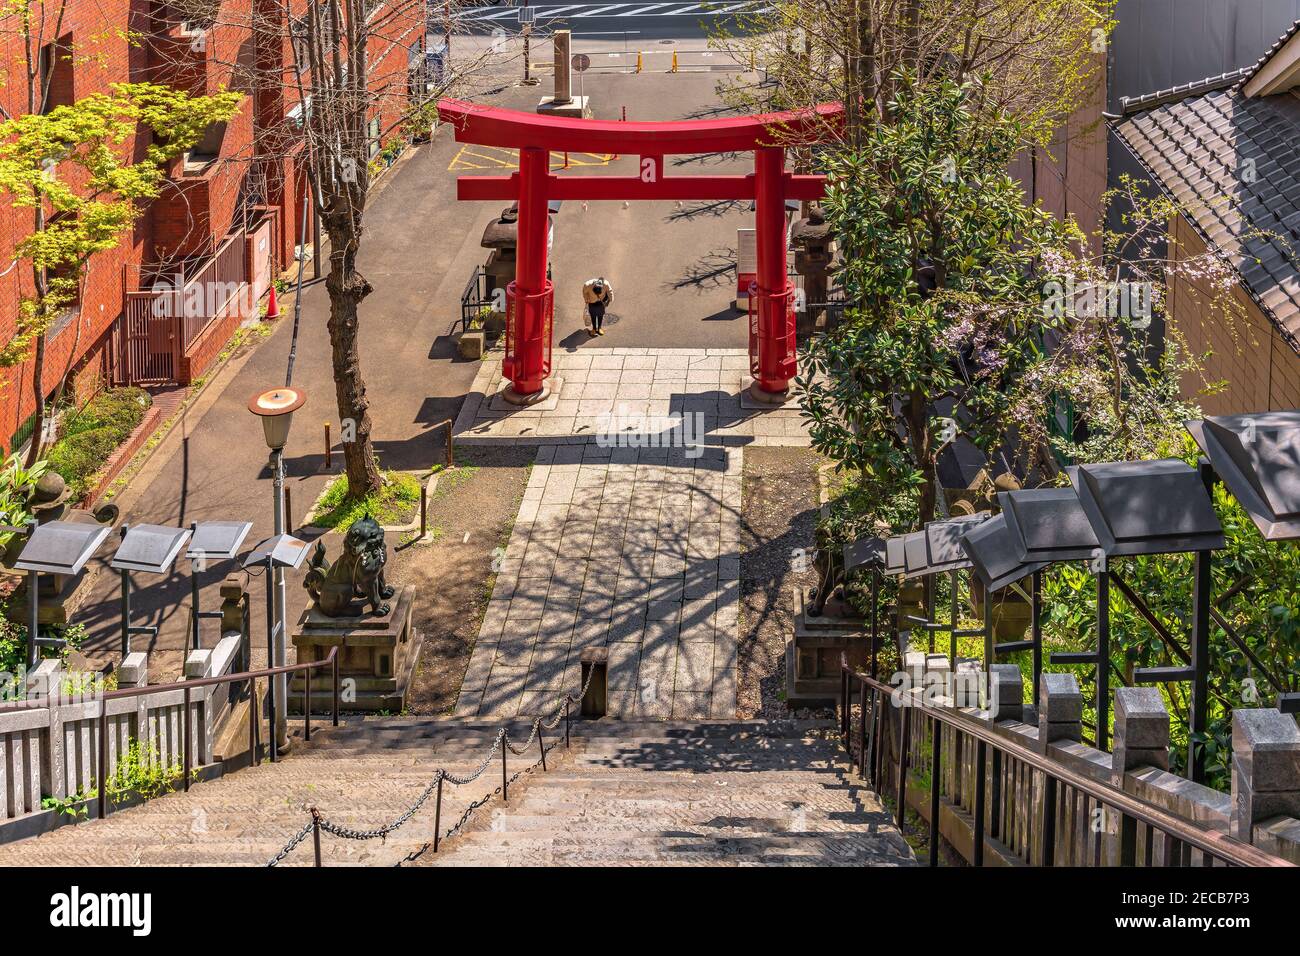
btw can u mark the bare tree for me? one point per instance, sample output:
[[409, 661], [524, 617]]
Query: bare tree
[[356, 75]]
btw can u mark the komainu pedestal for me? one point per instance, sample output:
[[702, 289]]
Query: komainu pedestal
[[377, 655]]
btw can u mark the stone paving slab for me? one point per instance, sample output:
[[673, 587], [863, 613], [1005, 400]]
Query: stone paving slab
[[628, 533], [597, 391], [618, 551]]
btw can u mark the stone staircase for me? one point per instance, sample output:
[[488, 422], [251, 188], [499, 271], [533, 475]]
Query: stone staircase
[[708, 793], [625, 793]]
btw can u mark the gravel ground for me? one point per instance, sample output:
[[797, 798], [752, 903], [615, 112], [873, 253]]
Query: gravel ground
[[472, 513], [779, 510]]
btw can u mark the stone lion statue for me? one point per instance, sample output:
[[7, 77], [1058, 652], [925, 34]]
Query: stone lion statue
[[358, 573]]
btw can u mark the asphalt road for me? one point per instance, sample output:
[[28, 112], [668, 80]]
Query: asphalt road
[[671, 269], [677, 19]]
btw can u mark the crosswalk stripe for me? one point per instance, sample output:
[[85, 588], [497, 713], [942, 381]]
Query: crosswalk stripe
[[615, 10], [599, 10]]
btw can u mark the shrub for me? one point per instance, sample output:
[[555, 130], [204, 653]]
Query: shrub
[[91, 435], [396, 501]]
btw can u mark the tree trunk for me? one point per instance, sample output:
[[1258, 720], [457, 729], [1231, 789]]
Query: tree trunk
[[38, 416], [347, 287], [918, 427]]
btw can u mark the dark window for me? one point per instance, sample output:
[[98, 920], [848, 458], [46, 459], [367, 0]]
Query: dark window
[[56, 74], [207, 149]]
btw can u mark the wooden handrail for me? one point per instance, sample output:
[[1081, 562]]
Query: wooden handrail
[[1218, 845]]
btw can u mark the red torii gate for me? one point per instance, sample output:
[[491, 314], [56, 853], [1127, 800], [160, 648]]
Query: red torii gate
[[530, 298]]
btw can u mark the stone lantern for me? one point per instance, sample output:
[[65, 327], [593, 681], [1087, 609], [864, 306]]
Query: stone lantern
[[813, 257]]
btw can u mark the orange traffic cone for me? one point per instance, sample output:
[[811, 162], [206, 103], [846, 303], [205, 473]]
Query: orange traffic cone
[[272, 306]]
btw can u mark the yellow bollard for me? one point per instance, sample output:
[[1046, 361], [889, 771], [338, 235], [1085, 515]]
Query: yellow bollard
[[673, 69], [751, 61], [638, 61]]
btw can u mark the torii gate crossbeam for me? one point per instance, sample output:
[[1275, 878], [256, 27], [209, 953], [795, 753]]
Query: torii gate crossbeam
[[530, 298]]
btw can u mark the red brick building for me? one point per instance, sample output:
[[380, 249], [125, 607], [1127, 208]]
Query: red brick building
[[229, 215]]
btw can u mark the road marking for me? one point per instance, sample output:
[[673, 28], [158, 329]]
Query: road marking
[[577, 11], [600, 10], [471, 156]]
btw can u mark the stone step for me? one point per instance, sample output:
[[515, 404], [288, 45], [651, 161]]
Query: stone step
[[673, 793], [672, 845]]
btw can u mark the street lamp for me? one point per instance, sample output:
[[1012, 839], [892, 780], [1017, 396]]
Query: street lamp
[[1048, 525], [894, 557], [1146, 508], [274, 555], [276, 407], [1257, 456], [994, 552], [219, 540], [869, 552], [56, 547], [147, 547], [944, 553]]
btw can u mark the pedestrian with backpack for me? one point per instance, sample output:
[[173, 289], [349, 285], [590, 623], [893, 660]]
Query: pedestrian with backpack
[[597, 294]]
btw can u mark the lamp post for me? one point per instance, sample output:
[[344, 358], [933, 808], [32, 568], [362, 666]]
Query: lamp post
[[276, 407], [274, 555], [149, 548], [56, 547], [1156, 507], [1257, 457], [210, 540], [994, 554], [869, 552]]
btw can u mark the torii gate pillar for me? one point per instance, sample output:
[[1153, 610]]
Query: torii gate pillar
[[530, 298], [771, 308]]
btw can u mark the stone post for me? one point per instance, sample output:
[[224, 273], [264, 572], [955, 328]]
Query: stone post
[[1265, 769], [594, 702], [47, 681], [966, 684], [232, 616], [134, 670], [938, 677], [1006, 693], [1060, 710], [563, 78], [1141, 732]]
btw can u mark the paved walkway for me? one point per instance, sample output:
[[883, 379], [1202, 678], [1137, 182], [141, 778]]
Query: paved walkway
[[632, 390], [628, 535]]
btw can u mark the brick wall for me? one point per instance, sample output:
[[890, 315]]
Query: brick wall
[[1069, 176], [1260, 368], [195, 211]]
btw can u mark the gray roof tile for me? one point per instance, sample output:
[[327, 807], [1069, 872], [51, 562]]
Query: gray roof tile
[[1197, 147]]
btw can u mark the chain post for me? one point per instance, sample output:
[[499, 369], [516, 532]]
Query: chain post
[[437, 813], [315, 831], [505, 782], [541, 747]]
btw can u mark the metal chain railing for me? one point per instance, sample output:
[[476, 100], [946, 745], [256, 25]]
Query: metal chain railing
[[500, 743]]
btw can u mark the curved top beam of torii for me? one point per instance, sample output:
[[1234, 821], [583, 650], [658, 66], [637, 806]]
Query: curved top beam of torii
[[514, 129]]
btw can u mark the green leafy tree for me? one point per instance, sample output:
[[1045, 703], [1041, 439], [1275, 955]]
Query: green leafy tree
[[1037, 60], [79, 172], [945, 284]]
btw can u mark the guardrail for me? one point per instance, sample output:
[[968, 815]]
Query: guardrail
[[57, 746], [1016, 801]]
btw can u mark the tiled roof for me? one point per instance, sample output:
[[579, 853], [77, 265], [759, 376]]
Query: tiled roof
[[1283, 40], [1135, 104], [1199, 148]]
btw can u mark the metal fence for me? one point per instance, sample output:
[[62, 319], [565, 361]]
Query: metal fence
[[161, 323]]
